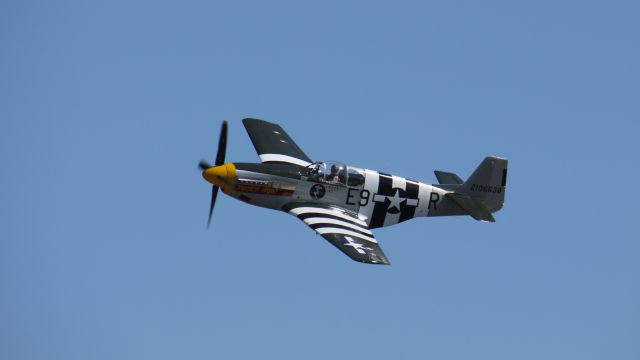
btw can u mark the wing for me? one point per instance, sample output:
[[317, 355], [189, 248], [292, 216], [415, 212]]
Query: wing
[[273, 144], [341, 228]]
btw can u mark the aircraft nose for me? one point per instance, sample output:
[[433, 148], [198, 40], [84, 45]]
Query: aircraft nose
[[219, 175], [216, 174]]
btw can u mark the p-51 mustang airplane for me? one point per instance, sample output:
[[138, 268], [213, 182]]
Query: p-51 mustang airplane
[[343, 203]]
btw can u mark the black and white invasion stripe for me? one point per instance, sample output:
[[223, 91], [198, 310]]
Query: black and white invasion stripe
[[380, 211], [385, 182], [330, 221], [412, 191]]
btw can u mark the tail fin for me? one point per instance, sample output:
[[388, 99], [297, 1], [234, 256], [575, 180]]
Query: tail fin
[[488, 183]]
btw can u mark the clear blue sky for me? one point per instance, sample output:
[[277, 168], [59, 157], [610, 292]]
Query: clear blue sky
[[106, 109]]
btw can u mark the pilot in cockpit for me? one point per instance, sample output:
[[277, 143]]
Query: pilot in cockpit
[[333, 177]]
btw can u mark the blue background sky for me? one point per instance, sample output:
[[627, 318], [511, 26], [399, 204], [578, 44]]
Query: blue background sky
[[107, 108]]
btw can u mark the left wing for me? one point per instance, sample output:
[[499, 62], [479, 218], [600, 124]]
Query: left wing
[[273, 144], [341, 228]]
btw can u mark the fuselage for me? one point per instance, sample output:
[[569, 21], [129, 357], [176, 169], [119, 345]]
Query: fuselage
[[378, 198]]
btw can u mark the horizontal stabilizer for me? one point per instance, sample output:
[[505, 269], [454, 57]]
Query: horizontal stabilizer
[[474, 207], [446, 178]]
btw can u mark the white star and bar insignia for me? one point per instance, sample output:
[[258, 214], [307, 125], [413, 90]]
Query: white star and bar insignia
[[395, 200]]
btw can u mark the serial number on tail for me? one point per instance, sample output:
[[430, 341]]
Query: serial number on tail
[[487, 188]]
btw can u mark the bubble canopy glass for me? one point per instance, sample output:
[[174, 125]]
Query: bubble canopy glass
[[332, 172]]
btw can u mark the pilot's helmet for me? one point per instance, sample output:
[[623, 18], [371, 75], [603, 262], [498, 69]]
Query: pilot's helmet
[[334, 169]]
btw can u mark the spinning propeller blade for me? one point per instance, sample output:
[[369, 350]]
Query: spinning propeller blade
[[203, 165], [220, 155], [214, 195], [222, 144]]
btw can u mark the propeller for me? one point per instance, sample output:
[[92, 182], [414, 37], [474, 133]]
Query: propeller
[[204, 165]]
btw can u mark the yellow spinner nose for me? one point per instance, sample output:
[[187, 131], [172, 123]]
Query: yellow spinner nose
[[221, 176]]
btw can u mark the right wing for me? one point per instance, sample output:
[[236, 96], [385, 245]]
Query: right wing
[[342, 229], [273, 144]]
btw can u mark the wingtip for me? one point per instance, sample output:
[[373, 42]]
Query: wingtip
[[385, 262], [248, 121]]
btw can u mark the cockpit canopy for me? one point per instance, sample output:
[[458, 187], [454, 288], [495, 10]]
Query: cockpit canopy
[[332, 172]]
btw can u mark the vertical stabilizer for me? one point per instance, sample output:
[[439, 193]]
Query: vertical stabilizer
[[488, 183]]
